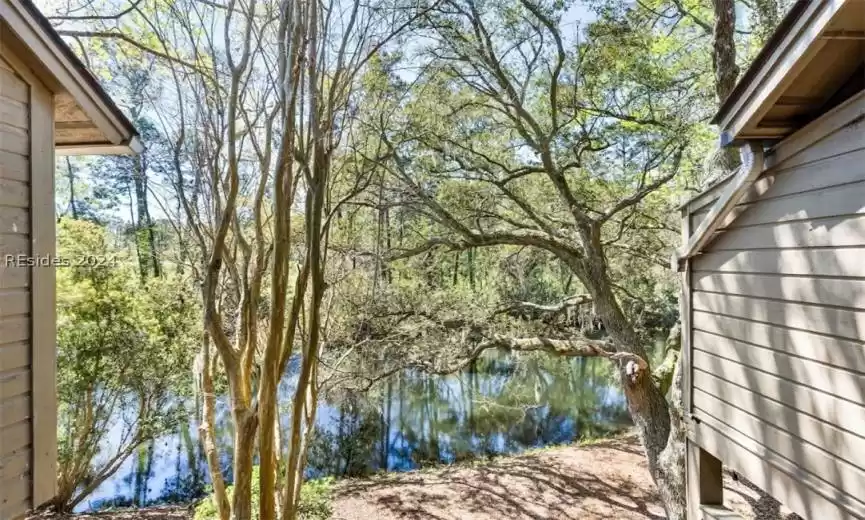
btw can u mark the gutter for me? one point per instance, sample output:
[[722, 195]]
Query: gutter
[[131, 146], [752, 155], [135, 145]]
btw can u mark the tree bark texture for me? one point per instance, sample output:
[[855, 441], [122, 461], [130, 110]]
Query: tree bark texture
[[724, 65], [724, 48], [208, 431], [646, 403]]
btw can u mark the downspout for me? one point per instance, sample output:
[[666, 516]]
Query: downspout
[[749, 171]]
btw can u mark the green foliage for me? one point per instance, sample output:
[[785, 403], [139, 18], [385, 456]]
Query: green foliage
[[315, 500], [506, 107], [116, 340]]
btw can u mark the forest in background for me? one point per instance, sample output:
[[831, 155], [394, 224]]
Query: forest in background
[[359, 188]]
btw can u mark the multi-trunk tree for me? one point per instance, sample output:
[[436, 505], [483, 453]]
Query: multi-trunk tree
[[264, 158], [498, 124]]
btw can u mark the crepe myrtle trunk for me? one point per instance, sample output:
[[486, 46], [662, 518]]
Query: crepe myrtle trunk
[[244, 447]]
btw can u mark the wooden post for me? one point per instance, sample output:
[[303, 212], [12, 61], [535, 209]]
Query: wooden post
[[44, 334], [703, 479]]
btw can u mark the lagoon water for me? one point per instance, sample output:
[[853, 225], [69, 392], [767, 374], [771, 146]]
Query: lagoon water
[[503, 404]]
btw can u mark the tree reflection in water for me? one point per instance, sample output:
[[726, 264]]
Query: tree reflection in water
[[501, 404]]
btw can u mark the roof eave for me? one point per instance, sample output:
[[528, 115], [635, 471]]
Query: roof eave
[[131, 147], [791, 47], [69, 73], [755, 160]]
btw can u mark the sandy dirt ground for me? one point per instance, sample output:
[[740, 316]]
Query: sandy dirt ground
[[607, 480]]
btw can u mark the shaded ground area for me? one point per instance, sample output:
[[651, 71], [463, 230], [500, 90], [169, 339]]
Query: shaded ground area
[[606, 480], [150, 513], [750, 501]]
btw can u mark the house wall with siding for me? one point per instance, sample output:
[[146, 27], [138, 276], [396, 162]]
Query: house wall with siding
[[777, 334], [27, 330], [15, 313]]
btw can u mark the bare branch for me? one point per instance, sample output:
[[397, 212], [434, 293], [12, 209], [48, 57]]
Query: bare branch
[[643, 191], [114, 16], [687, 13], [138, 45], [523, 307]]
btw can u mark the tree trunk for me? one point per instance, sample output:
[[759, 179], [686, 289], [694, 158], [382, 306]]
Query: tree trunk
[[70, 173], [244, 447], [724, 48], [664, 444], [647, 405], [208, 432], [145, 234], [60, 502], [310, 410], [651, 415], [268, 446], [671, 463], [724, 65]]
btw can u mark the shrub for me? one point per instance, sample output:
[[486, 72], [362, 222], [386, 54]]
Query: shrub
[[315, 500], [115, 336]]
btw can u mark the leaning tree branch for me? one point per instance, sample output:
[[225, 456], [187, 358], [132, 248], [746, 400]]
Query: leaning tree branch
[[523, 307], [473, 340], [429, 245], [570, 347], [470, 238]]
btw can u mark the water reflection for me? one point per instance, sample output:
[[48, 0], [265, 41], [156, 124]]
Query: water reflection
[[502, 404]]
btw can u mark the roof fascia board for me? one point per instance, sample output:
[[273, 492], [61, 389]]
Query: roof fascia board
[[798, 47], [33, 35], [131, 147]]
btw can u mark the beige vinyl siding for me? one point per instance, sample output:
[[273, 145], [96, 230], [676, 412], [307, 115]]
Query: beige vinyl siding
[[699, 216], [700, 205], [16, 399], [778, 332]]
